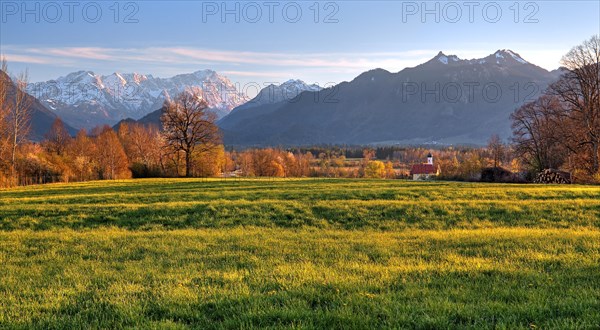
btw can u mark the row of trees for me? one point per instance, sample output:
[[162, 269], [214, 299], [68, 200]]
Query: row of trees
[[135, 150], [132, 151], [561, 129], [465, 164], [188, 145]]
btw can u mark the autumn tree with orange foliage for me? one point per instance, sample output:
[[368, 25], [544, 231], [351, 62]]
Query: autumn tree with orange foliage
[[58, 138], [111, 159], [82, 150], [144, 147]]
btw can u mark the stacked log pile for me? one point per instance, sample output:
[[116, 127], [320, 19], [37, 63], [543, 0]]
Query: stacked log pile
[[548, 176]]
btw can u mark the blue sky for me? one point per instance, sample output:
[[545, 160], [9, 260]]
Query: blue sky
[[290, 39]]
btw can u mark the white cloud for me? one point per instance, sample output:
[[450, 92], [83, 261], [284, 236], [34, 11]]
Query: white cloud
[[181, 55], [246, 66]]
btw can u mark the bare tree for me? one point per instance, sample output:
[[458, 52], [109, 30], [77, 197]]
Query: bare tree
[[82, 150], [18, 118], [58, 137], [143, 145], [537, 141], [497, 149], [579, 90], [188, 126], [4, 112], [110, 156]]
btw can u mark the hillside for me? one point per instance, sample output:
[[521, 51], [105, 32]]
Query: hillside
[[41, 118], [153, 118]]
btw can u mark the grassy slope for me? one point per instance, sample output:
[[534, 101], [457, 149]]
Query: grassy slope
[[306, 253]]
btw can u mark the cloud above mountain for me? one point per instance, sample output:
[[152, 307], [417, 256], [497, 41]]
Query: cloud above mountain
[[197, 55], [242, 66]]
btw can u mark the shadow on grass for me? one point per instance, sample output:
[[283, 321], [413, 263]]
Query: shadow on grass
[[381, 216]]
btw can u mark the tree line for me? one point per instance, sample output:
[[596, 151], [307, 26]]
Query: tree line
[[189, 145]]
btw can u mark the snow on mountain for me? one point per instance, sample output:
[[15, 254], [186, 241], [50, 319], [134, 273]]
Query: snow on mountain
[[272, 95], [268, 99], [85, 99], [283, 92], [443, 58], [500, 57], [505, 57], [287, 91], [515, 56]]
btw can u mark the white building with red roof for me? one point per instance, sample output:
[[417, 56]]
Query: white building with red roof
[[425, 171]]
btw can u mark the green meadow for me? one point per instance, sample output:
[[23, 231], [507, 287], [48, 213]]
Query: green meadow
[[299, 253]]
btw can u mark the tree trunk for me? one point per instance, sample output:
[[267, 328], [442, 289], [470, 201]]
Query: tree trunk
[[13, 160], [188, 164], [595, 155]]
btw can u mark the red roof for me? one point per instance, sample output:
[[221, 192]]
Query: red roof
[[423, 169]]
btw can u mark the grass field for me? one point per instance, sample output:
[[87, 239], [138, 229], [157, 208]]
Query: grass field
[[299, 253]]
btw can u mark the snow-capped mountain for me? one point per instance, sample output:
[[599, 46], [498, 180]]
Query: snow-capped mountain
[[288, 92], [270, 95], [284, 92], [445, 59], [85, 99], [500, 57], [269, 99]]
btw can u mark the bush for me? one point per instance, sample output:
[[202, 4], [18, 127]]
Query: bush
[[375, 170], [500, 175], [139, 170]]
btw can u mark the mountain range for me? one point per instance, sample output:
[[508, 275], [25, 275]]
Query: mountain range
[[445, 100], [84, 99], [272, 94]]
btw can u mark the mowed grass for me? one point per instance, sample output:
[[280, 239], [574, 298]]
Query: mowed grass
[[299, 253]]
